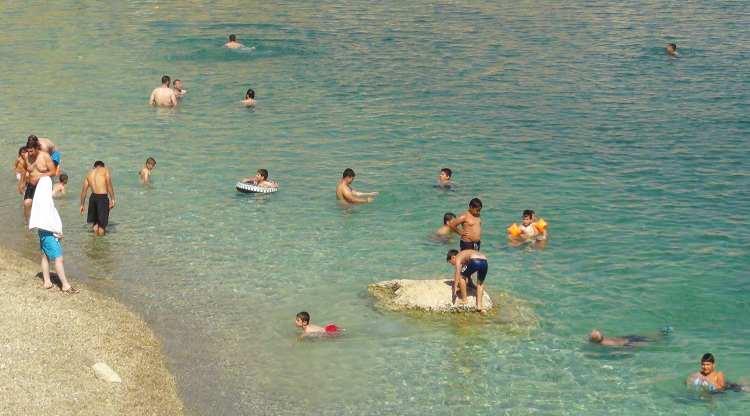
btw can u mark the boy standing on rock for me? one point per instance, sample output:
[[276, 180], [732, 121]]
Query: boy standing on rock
[[468, 262]]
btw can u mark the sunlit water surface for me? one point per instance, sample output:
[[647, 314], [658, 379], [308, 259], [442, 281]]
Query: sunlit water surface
[[639, 162]]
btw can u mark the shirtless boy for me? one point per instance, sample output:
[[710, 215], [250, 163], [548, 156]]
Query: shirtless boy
[[178, 90], [528, 230], [102, 197], [672, 49], [444, 179], [38, 164], [302, 321], [58, 189], [345, 193], [710, 379], [466, 263], [145, 173], [249, 100], [233, 44], [163, 96], [471, 226], [445, 231], [261, 179]]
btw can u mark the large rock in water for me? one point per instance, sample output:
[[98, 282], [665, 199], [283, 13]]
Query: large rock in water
[[425, 295]]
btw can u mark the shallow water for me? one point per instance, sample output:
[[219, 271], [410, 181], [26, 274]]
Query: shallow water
[[637, 161]]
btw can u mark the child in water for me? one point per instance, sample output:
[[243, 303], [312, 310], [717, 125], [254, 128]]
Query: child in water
[[302, 321], [58, 189], [529, 230], [261, 180], [445, 231], [145, 173], [444, 179], [20, 165], [249, 100]]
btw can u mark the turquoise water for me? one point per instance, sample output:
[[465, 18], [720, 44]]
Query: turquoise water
[[637, 161]]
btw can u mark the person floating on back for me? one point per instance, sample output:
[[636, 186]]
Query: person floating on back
[[58, 189], [261, 180], [163, 96], [466, 263], [102, 198], [302, 321], [471, 226], [249, 100], [233, 44], [445, 231], [145, 174], [345, 193], [444, 179], [672, 49]]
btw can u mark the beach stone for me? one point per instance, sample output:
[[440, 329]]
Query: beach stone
[[425, 295], [104, 372]]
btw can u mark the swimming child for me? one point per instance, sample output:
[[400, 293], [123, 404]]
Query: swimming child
[[302, 321], [444, 179], [672, 49], [261, 180], [466, 263], [471, 226], [145, 173], [445, 230], [58, 189], [233, 44], [178, 90], [529, 228], [249, 100]]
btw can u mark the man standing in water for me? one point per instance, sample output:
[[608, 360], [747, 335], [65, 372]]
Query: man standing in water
[[233, 44], [163, 96], [471, 226], [102, 197], [345, 193], [38, 164]]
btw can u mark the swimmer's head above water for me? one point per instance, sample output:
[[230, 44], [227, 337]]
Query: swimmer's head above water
[[596, 337], [348, 175], [708, 363], [232, 38], [302, 319], [671, 49], [527, 217], [448, 217], [445, 175], [165, 80], [63, 178], [250, 94]]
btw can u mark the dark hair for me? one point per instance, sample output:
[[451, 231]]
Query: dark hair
[[263, 173], [448, 216], [178, 80], [165, 79], [304, 317], [527, 213], [63, 177], [98, 164], [348, 173], [708, 357], [151, 160], [250, 93], [447, 171], [232, 38], [33, 142], [21, 150], [673, 45], [451, 253], [475, 203]]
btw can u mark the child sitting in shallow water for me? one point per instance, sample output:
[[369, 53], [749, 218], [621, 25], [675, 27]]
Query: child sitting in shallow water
[[302, 321], [261, 180], [58, 189]]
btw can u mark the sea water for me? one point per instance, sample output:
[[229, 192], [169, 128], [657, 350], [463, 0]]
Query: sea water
[[638, 161]]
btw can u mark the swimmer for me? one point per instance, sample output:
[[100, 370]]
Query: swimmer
[[468, 262], [302, 321], [19, 166], [708, 377], [444, 179], [471, 226], [626, 341], [672, 49], [58, 189], [249, 100], [528, 230], [38, 164], [345, 193], [102, 198], [163, 96], [178, 90], [233, 44], [445, 231], [261, 180], [145, 173]]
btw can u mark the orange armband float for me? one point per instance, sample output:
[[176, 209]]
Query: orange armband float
[[540, 225], [514, 230]]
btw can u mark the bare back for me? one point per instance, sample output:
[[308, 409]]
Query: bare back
[[163, 97], [98, 178]]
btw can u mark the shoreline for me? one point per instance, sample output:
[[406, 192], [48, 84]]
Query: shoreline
[[51, 340]]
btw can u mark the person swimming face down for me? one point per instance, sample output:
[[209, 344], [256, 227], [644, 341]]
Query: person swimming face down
[[596, 337]]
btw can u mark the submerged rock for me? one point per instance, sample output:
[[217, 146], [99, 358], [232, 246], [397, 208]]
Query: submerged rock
[[425, 295], [104, 372]]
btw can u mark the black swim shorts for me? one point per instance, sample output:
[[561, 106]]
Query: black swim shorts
[[98, 210]]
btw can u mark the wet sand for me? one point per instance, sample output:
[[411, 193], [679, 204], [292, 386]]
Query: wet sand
[[50, 340]]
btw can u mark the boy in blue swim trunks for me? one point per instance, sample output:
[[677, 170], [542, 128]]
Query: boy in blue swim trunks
[[468, 262], [49, 243]]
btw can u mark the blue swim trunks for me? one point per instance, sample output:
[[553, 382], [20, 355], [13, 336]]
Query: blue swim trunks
[[478, 266], [50, 245], [56, 157]]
